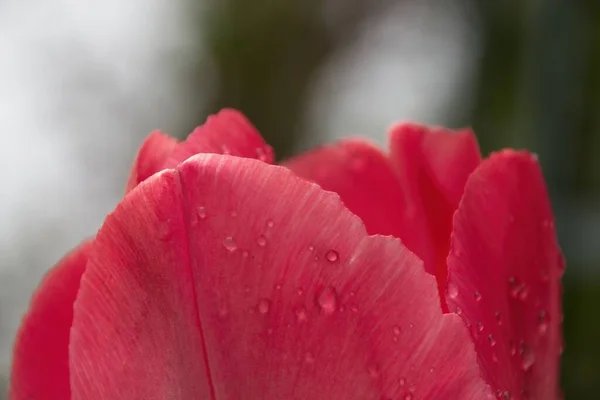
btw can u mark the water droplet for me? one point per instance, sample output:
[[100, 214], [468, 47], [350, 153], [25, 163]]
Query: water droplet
[[524, 293], [518, 290], [225, 150], [402, 381], [229, 243], [431, 369], [245, 253], [492, 340], [270, 223], [264, 305], [543, 322], [327, 300], [311, 248], [278, 286], [332, 256], [261, 241], [527, 359], [504, 395], [480, 326], [513, 348], [299, 291], [408, 396], [452, 291], [458, 311], [354, 308], [477, 296], [201, 213], [396, 330], [498, 317], [301, 315]]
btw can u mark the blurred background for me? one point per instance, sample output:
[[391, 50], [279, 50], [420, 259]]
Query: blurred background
[[82, 83]]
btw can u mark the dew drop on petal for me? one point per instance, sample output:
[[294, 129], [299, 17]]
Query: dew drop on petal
[[229, 243], [301, 315], [201, 212], [477, 296], [270, 223], [513, 348], [543, 322], [261, 241], [498, 317], [479, 326], [527, 359], [402, 381], [261, 155], [492, 340], [408, 396], [264, 305], [327, 300], [396, 330], [452, 291], [332, 256]]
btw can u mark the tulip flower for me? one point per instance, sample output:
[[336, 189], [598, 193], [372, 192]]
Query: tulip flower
[[345, 273]]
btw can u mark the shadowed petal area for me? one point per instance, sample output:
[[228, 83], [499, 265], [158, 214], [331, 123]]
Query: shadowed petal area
[[364, 179], [504, 275], [151, 157], [229, 278], [433, 165], [227, 132], [40, 368]]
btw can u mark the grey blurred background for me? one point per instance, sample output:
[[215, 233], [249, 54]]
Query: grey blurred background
[[81, 84]]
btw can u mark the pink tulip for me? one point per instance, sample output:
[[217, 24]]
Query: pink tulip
[[425, 273]]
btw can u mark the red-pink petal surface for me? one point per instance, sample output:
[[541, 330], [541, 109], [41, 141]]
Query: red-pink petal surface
[[364, 179], [151, 157], [227, 132], [40, 367], [433, 165], [232, 279], [504, 275]]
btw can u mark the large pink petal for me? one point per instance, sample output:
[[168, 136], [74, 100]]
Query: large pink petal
[[227, 132], [364, 179], [40, 367], [229, 278], [433, 165], [504, 275]]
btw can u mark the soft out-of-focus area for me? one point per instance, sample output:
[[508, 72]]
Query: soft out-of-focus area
[[82, 84]]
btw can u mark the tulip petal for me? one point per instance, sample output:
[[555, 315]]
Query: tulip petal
[[227, 132], [40, 367], [364, 179], [433, 165], [229, 278], [151, 157], [504, 275]]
